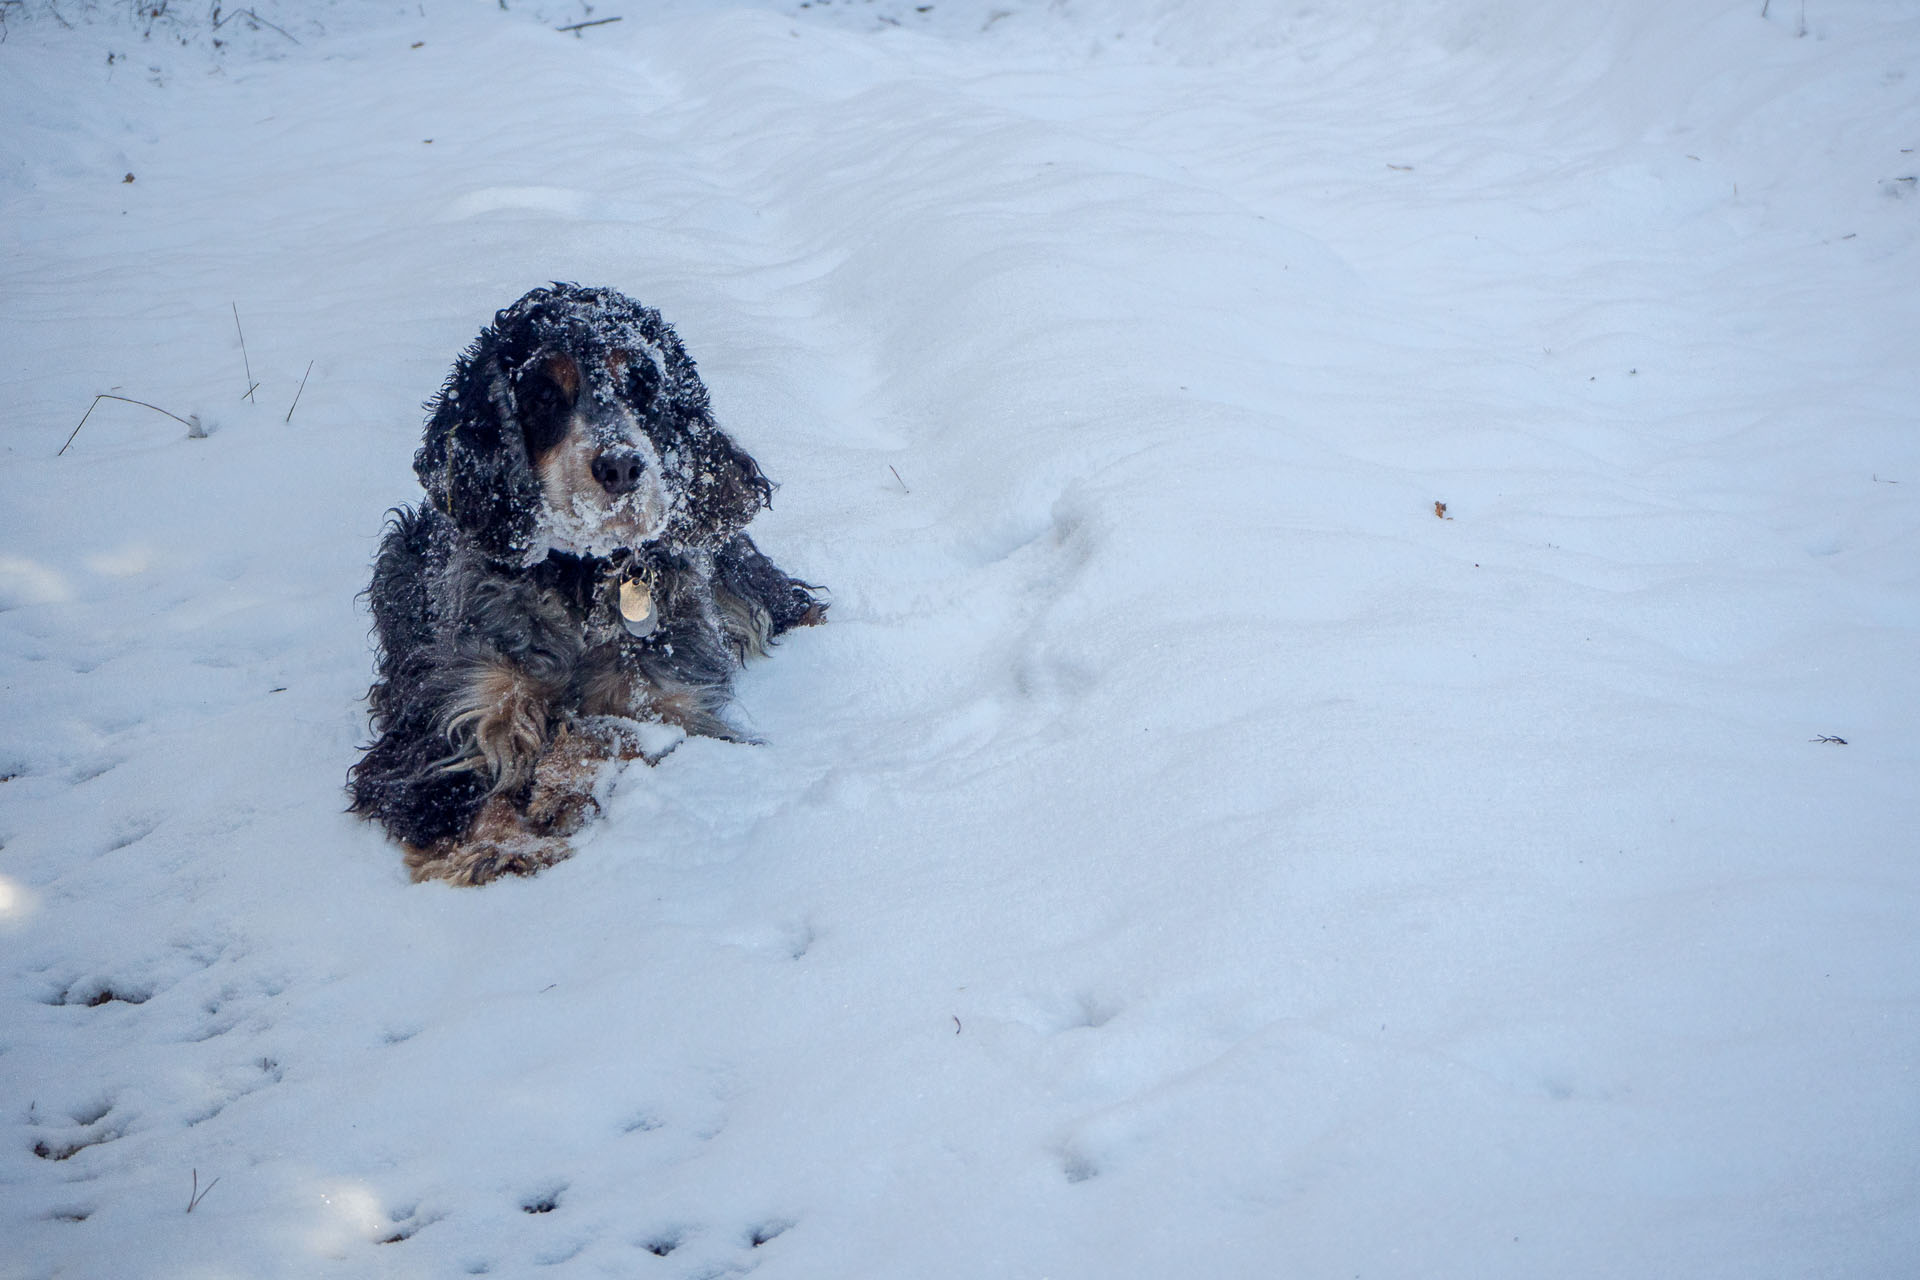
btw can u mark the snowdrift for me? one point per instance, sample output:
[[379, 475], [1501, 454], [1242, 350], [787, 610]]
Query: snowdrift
[[1367, 726]]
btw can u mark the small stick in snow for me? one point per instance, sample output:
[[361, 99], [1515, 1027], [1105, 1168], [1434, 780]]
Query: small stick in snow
[[193, 426], [956, 1025], [296, 395], [252, 17], [198, 1195], [245, 363], [578, 27], [896, 476], [1827, 737]]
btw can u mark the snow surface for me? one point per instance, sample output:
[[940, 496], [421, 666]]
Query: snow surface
[[1184, 853]]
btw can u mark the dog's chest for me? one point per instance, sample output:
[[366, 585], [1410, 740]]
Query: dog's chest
[[583, 597], [615, 610]]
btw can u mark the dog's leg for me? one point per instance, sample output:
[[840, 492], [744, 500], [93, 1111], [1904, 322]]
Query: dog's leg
[[505, 840], [619, 691], [403, 780], [495, 719], [498, 722], [758, 600]]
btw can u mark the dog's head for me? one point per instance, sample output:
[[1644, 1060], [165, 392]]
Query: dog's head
[[577, 422]]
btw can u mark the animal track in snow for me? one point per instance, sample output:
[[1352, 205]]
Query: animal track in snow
[[1094, 1012], [1078, 1166], [662, 1243], [1078, 1011], [236, 1083], [671, 1239], [88, 1113], [236, 1003], [157, 973], [91, 1132], [132, 832], [94, 992], [88, 770], [68, 1150], [543, 1201], [407, 1221], [558, 1254]]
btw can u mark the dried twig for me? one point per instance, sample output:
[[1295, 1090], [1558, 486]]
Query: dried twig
[[245, 363], [1827, 737], [192, 425], [198, 1195], [296, 395], [578, 27], [252, 17], [896, 476]]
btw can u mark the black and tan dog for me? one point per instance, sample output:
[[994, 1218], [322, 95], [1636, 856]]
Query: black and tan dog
[[578, 566]]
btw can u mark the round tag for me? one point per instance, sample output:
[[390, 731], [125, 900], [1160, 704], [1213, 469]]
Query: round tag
[[636, 607]]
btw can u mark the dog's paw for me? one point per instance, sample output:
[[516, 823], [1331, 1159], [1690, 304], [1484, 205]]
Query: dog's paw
[[561, 800], [559, 811], [500, 842], [477, 862], [625, 739]]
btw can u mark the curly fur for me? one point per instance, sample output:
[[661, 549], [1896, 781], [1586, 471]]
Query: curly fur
[[571, 449]]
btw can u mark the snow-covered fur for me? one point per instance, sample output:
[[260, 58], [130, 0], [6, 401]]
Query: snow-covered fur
[[571, 454]]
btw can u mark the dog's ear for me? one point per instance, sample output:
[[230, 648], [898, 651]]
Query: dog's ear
[[726, 488], [720, 486], [473, 459]]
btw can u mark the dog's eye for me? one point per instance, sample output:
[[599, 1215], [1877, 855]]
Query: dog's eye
[[540, 398], [543, 411], [643, 381]]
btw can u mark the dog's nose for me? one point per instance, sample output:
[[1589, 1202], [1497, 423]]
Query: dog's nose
[[618, 470]]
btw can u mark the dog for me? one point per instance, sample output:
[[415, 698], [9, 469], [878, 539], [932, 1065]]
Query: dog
[[577, 577]]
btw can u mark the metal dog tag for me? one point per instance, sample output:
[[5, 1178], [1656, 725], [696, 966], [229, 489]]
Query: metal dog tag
[[636, 607]]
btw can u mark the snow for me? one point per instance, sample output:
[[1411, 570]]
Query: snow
[[1184, 853]]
